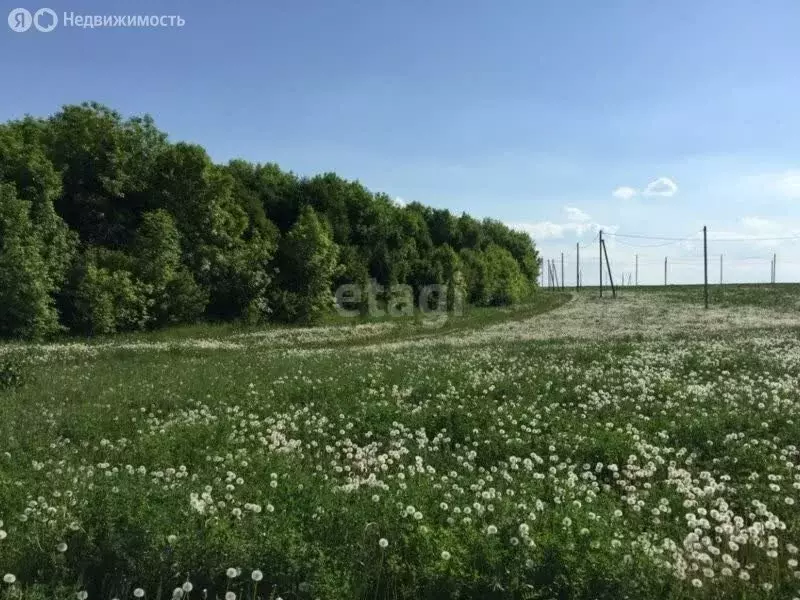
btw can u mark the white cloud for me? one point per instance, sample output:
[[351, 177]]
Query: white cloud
[[624, 192], [578, 224], [663, 186], [399, 201], [576, 214], [541, 230]]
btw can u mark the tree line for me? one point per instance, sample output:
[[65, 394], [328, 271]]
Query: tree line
[[107, 226]]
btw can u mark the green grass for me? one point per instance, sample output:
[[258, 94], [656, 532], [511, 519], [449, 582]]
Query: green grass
[[549, 456], [779, 296]]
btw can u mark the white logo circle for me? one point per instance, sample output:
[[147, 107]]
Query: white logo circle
[[20, 19], [45, 11]]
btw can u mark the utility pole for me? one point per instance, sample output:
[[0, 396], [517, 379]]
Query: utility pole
[[774, 265], [549, 274], [562, 271], [541, 272], [637, 270], [555, 274], [601, 263], [705, 266], [577, 266], [665, 270], [610, 277]]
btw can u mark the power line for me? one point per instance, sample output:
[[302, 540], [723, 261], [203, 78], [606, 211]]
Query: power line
[[645, 245], [650, 237], [763, 239]]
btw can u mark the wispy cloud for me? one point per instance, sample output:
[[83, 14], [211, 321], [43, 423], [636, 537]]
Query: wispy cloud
[[663, 186], [577, 223], [624, 192], [576, 214]]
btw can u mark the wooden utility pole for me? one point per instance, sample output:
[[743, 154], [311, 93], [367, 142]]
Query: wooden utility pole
[[665, 270], [555, 274], [549, 274], [705, 266], [601, 263], [774, 265], [608, 266], [541, 272]]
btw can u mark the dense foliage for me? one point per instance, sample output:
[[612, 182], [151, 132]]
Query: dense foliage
[[106, 226]]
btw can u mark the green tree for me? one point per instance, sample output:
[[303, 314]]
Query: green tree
[[307, 260], [506, 283], [27, 307]]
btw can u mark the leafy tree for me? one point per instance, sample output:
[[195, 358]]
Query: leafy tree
[[28, 309], [103, 294], [307, 260], [23, 164], [174, 295], [505, 282], [105, 164]]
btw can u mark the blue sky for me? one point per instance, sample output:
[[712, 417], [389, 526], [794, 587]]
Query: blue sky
[[553, 116]]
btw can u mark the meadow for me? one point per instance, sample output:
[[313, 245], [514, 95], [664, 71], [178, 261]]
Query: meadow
[[571, 448]]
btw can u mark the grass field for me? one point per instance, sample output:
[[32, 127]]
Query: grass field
[[575, 447]]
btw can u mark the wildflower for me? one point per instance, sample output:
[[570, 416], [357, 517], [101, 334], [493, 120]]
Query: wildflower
[[445, 555], [138, 593], [62, 547], [231, 573], [491, 530], [257, 575], [697, 583], [3, 534], [171, 539], [187, 587], [9, 578], [230, 596], [177, 593], [383, 542], [82, 595]]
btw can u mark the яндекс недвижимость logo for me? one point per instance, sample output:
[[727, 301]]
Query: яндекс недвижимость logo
[[45, 20], [21, 19]]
